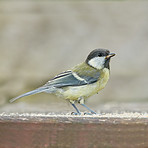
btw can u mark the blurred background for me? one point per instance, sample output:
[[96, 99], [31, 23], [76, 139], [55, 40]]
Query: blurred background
[[39, 39]]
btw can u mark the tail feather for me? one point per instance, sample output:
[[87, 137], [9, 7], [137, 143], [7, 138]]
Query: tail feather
[[38, 90]]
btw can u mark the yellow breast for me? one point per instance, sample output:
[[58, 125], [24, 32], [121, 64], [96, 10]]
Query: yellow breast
[[85, 91]]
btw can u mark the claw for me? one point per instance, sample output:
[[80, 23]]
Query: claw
[[92, 113], [74, 113]]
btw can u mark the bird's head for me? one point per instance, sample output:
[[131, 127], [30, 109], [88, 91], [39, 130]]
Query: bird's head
[[99, 58]]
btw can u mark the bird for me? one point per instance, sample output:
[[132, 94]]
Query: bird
[[81, 82]]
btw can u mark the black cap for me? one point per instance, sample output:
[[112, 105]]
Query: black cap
[[96, 53]]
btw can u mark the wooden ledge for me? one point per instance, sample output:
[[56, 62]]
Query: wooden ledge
[[113, 118], [37, 130]]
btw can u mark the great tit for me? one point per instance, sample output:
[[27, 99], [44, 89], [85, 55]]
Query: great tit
[[81, 82]]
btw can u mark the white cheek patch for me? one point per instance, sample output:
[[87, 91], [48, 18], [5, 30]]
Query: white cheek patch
[[97, 62]]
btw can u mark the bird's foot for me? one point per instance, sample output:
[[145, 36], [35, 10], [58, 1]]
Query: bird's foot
[[92, 113], [75, 113]]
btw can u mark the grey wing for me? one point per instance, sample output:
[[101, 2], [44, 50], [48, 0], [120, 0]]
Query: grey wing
[[70, 78]]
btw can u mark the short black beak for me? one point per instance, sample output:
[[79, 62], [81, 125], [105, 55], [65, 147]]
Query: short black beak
[[110, 55]]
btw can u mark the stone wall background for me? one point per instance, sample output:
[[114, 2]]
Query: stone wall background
[[39, 39]]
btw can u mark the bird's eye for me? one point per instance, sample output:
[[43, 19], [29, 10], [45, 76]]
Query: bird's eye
[[100, 55]]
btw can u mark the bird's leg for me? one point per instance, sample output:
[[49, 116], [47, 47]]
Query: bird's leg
[[81, 101], [75, 113], [92, 112]]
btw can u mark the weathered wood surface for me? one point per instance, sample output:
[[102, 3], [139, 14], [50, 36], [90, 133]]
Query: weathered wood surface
[[66, 131]]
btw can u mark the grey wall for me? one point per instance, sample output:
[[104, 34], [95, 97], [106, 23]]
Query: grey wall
[[40, 39]]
